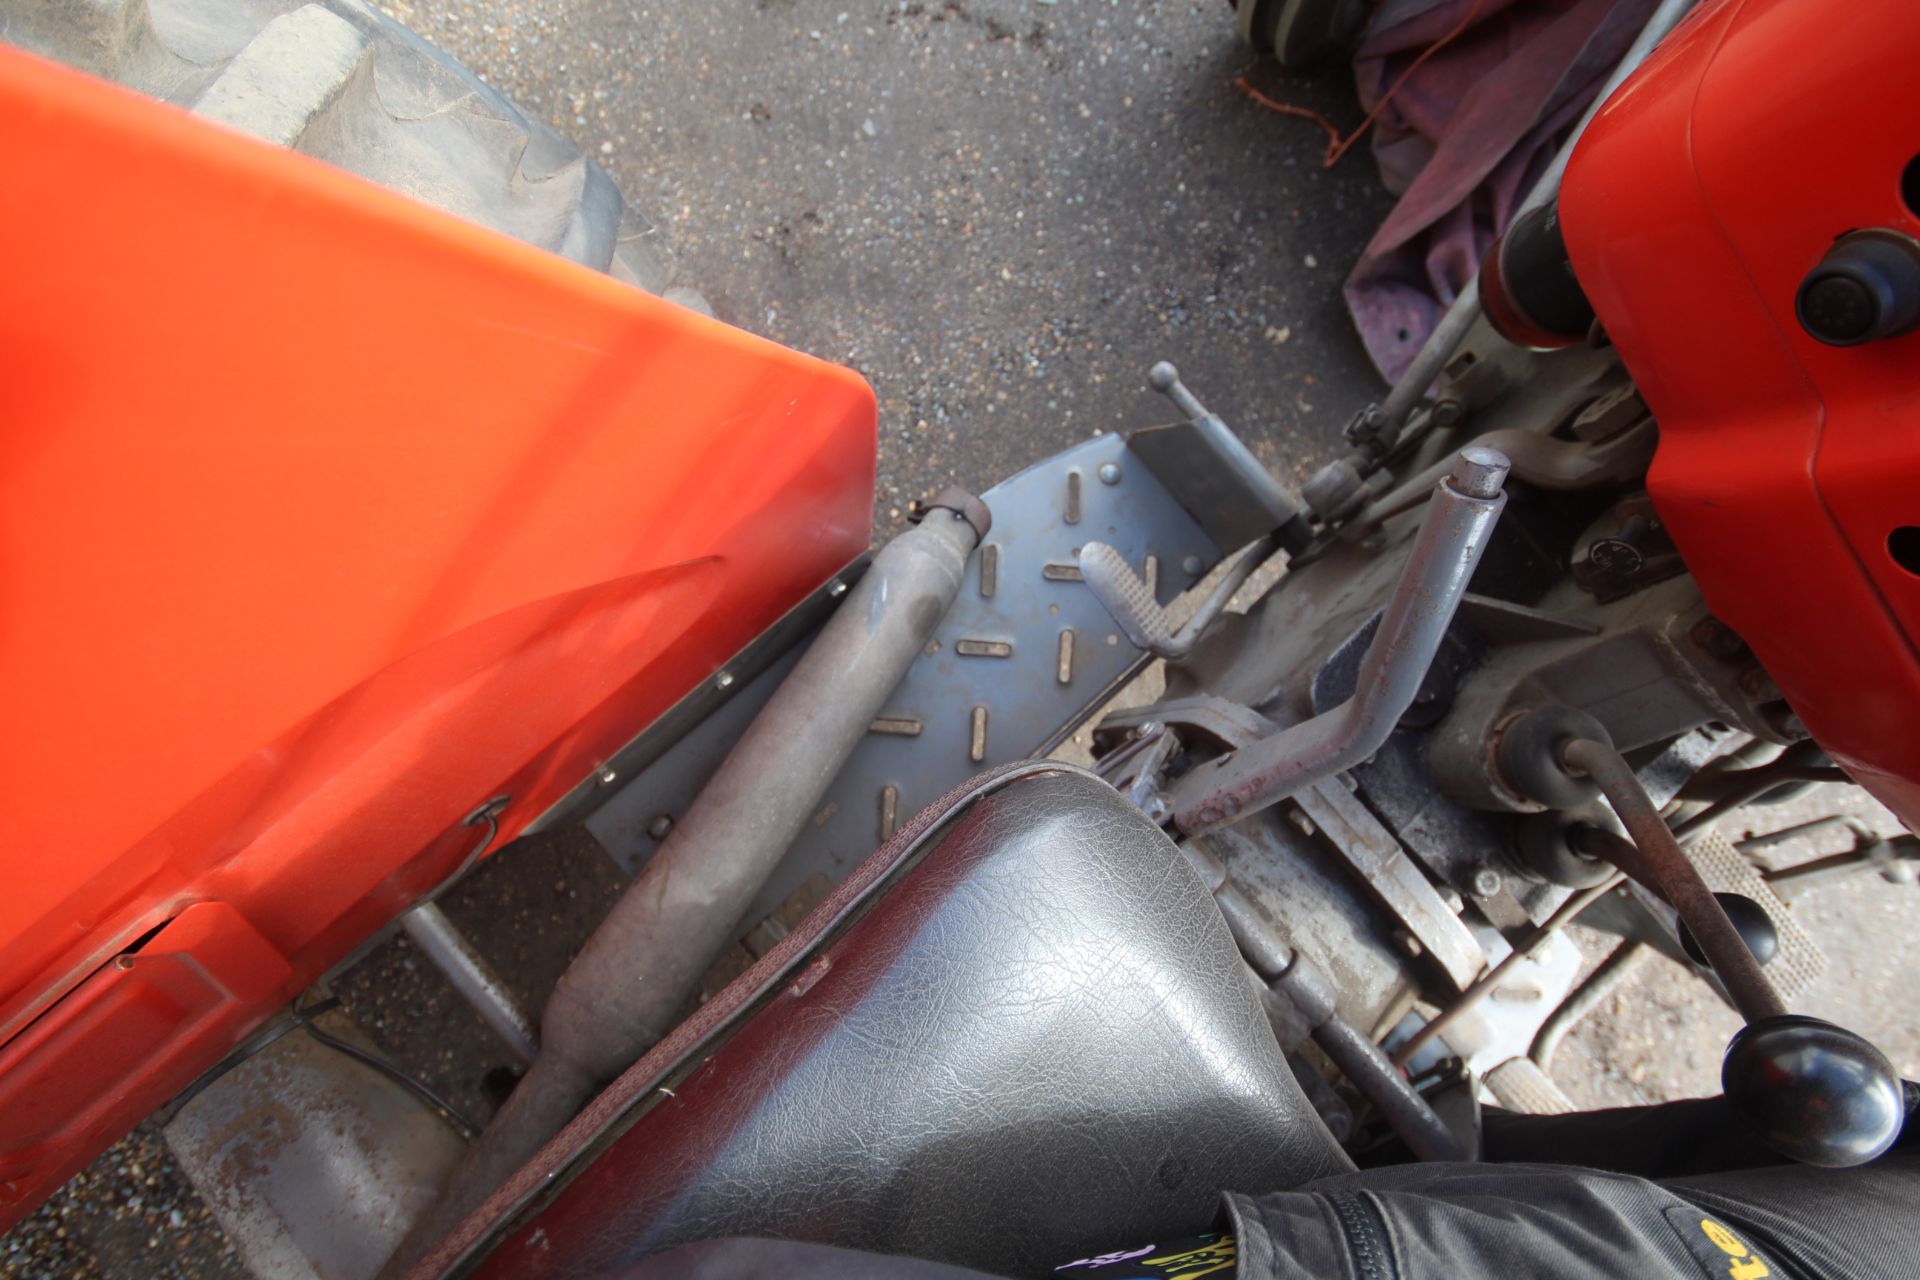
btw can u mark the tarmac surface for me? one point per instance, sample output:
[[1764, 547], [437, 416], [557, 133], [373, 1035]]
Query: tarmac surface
[[1001, 212]]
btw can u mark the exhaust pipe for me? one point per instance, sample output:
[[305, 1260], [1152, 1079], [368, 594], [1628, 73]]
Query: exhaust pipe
[[620, 994]]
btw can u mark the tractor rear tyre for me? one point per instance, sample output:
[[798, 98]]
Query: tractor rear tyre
[[340, 81]]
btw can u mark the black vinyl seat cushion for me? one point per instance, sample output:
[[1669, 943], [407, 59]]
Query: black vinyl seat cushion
[[1019, 1034]]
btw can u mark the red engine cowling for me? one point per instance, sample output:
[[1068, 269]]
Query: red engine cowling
[[1702, 196]]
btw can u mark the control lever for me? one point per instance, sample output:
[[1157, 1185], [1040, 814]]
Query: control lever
[[1817, 1093], [1130, 601]]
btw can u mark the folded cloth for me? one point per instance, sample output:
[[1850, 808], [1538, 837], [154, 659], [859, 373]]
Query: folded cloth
[[1464, 138]]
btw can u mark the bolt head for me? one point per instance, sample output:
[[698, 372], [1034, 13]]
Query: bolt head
[[837, 590], [1487, 882], [1109, 473], [608, 777], [659, 828], [1192, 565], [724, 680], [1717, 638]]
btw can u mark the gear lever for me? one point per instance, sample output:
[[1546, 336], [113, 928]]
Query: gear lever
[[1818, 1093]]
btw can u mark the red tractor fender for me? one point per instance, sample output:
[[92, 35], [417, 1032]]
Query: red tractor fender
[[1701, 196], [325, 519]]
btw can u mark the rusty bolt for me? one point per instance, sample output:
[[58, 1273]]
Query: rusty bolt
[[1781, 719], [1717, 638], [1611, 414]]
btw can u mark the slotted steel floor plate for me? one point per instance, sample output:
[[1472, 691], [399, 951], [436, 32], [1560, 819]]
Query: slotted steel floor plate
[[1024, 655]]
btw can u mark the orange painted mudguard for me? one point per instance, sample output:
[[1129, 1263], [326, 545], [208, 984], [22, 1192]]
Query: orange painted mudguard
[[324, 518]]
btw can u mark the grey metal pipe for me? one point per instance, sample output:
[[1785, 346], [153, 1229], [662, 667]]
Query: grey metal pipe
[[428, 928], [1453, 534], [1294, 979], [1452, 329], [622, 992], [1398, 1103]]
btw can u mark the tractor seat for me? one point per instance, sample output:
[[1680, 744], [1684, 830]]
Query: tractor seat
[[1018, 1035]]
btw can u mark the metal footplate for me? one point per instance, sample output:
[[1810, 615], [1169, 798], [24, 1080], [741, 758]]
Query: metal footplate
[[1023, 657]]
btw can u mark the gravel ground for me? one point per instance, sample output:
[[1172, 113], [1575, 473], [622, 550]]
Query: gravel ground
[[1001, 212]]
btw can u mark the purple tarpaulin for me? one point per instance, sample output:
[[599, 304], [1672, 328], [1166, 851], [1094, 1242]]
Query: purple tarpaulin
[[1464, 138]]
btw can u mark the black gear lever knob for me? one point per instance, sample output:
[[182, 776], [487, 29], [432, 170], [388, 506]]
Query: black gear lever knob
[[1817, 1093]]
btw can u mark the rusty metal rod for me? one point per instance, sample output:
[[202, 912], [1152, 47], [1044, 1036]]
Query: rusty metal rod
[[1587, 997], [1485, 985], [1676, 879]]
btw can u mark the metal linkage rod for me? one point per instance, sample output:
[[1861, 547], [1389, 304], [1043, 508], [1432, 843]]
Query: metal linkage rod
[[1455, 531], [1676, 878], [428, 928], [1485, 985], [1290, 977]]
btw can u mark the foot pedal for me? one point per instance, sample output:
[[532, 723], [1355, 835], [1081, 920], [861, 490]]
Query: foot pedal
[[1129, 599], [1520, 1085]]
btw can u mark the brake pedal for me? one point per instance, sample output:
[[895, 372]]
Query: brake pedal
[[1128, 599]]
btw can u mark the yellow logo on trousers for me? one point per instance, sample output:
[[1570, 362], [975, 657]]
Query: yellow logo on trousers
[[1742, 1264]]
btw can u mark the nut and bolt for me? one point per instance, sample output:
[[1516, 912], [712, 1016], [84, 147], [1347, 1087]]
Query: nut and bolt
[[1758, 685], [1450, 898], [1487, 882], [1717, 638], [1609, 415], [1781, 719], [1448, 414], [1109, 473], [659, 828]]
